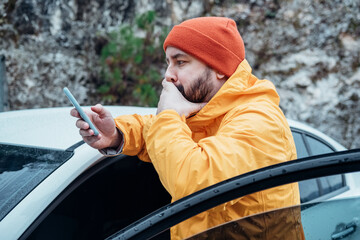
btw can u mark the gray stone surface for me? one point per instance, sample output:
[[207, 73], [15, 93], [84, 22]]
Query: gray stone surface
[[309, 49]]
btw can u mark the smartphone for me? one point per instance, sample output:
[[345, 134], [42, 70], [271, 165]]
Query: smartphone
[[79, 109]]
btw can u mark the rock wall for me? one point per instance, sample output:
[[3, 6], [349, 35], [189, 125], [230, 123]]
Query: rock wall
[[309, 49]]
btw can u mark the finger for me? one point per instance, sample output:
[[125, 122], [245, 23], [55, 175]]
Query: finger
[[199, 106], [166, 84], [100, 110], [195, 108], [171, 88], [163, 82], [91, 139], [75, 113], [86, 133], [82, 124]]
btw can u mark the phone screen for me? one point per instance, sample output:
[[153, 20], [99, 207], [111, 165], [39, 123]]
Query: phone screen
[[80, 110]]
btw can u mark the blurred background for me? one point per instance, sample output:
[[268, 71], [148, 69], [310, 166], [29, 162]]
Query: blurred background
[[110, 52]]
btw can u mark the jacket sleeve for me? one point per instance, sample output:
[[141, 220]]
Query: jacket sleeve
[[131, 127], [246, 140]]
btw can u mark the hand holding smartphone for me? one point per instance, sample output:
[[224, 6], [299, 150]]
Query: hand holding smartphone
[[79, 109]]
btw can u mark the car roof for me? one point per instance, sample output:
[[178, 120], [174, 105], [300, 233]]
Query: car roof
[[55, 128], [49, 127]]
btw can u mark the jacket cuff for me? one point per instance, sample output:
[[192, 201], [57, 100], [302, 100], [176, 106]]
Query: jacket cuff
[[114, 151]]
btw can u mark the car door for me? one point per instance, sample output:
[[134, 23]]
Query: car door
[[320, 220]]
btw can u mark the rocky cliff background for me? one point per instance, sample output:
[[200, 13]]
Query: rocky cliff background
[[309, 49]]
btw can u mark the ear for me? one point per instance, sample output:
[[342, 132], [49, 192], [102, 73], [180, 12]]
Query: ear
[[220, 76]]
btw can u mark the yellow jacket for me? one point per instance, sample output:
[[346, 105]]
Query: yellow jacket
[[241, 129]]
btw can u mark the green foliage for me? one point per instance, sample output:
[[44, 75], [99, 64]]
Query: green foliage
[[131, 63]]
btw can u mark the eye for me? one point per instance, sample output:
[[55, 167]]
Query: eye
[[180, 62]]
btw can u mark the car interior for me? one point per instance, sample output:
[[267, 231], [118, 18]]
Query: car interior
[[111, 195]]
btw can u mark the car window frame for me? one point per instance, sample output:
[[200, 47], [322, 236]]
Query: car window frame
[[306, 143], [258, 180], [304, 134]]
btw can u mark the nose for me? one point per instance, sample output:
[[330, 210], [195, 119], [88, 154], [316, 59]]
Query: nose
[[170, 75]]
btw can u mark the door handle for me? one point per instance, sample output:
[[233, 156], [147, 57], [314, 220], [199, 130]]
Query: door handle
[[343, 230]]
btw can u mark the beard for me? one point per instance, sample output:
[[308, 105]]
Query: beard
[[199, 90]]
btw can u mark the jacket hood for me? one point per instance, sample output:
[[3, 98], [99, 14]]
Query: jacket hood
[[241, 88]]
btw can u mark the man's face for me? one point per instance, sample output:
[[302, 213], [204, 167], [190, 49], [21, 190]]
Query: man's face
[[192, 77]]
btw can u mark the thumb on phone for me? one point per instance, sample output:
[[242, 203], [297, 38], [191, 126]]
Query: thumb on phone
[[101, 111]]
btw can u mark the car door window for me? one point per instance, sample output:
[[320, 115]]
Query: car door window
[[317, 147], [309, 190], [330, 184], [320, 188], [327, 186], [300, 145]]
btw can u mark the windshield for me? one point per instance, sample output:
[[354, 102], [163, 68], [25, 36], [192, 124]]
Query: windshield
[[22, 168]]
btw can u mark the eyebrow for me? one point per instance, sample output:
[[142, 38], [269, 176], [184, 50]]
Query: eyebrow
[[177, 55]]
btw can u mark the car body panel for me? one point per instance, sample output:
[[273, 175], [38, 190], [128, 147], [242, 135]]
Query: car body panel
[[49, 127], [54, 128], [324, 219]]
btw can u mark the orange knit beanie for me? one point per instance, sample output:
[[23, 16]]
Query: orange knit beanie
[[213, 40]]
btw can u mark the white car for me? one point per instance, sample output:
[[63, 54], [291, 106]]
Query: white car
[[53, 186]]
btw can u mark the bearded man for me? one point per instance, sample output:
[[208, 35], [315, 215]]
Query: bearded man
[[215, 120]]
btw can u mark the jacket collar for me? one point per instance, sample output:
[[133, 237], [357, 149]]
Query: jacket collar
[[238, 89], [222, 101]]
